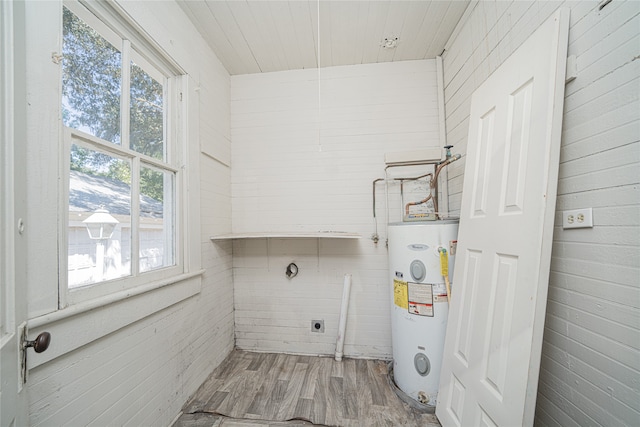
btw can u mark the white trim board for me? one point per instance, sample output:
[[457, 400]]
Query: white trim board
[[289, 235]]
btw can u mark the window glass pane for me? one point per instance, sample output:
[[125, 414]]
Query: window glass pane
[[157, 233], [91, 80], [147, 117], [99, 217]]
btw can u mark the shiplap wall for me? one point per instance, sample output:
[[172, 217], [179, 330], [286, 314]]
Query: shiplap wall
[[591, 360], [304, 158], [143, 373]]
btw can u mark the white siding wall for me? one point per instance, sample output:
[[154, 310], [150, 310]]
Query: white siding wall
[[304, 158], [591, 361], [143, 373]]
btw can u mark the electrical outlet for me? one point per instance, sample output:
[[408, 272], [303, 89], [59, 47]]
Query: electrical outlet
[[577, 218], [317, 326]]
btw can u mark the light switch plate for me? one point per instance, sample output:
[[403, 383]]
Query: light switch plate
[[577, 218]]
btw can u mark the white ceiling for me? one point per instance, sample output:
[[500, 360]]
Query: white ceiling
[[262, 36]]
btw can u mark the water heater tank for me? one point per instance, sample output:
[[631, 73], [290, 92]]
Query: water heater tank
[[419, 307]]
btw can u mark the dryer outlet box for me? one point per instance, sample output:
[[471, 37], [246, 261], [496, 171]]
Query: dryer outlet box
[[317, 326]]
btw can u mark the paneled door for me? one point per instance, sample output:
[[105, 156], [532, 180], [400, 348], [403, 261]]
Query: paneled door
[[13, 402], [494, 334]]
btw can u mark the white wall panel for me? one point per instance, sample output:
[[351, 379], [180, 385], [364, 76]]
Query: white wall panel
[[143, 373], [591, 357], [305, 154]]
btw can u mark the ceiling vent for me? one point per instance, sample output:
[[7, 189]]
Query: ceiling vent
[[389, 42]]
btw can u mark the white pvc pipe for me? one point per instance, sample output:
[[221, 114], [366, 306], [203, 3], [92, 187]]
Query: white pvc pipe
[[342, 325]]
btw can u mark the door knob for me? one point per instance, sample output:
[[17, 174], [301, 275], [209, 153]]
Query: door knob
[[41, 343]]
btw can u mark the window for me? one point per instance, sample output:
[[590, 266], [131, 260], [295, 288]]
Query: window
[[123, 157]]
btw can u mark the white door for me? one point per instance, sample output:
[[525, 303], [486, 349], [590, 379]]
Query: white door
[[13, 404], [494, 334]]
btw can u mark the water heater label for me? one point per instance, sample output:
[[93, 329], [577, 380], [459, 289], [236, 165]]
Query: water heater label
[[421, 299], [439, 292], [400, 295]]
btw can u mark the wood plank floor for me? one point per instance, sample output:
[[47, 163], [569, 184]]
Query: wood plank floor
[[212, 420], [276, 388]]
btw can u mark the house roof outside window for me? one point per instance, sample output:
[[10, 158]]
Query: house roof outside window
[[88, 193]]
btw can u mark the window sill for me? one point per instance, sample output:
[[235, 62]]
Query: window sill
[[82, 323]]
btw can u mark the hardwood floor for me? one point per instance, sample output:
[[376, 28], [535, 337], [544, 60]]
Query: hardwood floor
[[273, 389]]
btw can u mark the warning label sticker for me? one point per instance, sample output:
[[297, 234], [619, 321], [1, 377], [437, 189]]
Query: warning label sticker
[[421, 309], [400, 294], [453, 247], [421, 299], [439, 292]]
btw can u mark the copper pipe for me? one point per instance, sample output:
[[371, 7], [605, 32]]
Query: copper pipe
[[441, 166], [414, 178], [374, 195], [433, 184], [434, 181], [406, 207]]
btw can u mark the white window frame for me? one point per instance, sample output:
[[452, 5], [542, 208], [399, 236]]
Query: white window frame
[[114, 28]]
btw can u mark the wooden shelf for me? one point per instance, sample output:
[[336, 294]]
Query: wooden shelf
[[289, 235]]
